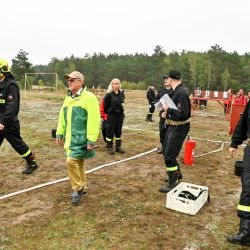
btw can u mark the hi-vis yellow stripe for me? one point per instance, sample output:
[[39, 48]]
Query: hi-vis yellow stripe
[[172, 169], [26, 154], [243, 208], [2, 100]]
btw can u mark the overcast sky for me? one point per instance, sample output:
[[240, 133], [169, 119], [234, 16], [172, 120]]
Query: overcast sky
[[54, 28]]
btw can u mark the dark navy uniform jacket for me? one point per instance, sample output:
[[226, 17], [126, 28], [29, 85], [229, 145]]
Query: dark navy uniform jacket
[[113, 103], [151, 96], [9, 100], [181, 99], [161, 93]]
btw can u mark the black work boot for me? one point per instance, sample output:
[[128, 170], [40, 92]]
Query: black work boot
[[118, 147], [174, 178], [166, 179], [31, 164], [119, 150], [109, 147], [147, 118], [243, 236], [150, 118]]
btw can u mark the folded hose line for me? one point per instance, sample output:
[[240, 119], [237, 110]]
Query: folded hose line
[[110, 164], [67, 178], [195, 138], [211, 152]]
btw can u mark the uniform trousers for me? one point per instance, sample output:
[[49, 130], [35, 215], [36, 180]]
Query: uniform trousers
[[175, 137], [162, 130], [11, 133], [104, 129], [151, 108], [114, 126], [243, 208]]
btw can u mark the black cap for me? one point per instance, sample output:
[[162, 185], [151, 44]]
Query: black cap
[[174, 74], [152, 85]]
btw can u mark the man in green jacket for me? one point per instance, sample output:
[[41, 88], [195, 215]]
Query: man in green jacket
[[78, 126]]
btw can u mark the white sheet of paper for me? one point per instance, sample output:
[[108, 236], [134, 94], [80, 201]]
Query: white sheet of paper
[[165, 100]]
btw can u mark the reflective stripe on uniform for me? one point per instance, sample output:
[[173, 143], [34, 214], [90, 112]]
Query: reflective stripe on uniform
[[107, 139], [117, 139], [172, 169], [26, 154], [2, 100], [243, 208]]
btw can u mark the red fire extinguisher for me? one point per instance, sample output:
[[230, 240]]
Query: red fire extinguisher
[[189, 151]]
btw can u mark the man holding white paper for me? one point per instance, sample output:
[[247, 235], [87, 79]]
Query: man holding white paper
[[162, 124], [177, 113]]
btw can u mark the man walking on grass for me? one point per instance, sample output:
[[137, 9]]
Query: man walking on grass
[[9, 122], [78, 126]]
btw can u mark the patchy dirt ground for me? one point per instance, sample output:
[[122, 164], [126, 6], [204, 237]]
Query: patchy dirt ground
[[123, 209]]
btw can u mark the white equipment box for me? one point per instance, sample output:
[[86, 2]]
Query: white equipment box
[[187, 198]]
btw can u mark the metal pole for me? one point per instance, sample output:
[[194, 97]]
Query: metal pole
[[208, 76], [25, 84]]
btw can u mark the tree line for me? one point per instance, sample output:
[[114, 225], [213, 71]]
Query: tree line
[[214, 69]]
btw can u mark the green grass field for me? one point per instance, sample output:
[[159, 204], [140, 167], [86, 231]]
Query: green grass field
[[123, 209]]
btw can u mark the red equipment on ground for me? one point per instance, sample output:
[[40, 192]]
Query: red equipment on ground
[[189, 151], [237, 109]]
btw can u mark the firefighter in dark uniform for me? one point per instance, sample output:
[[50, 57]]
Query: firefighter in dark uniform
[[162, 125], [242, 133], [151, 96], [9, 123], [178, 121], [113, 107]]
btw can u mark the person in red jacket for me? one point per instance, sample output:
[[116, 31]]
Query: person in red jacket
[[228, 102], [240, 98], [104, 118]]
